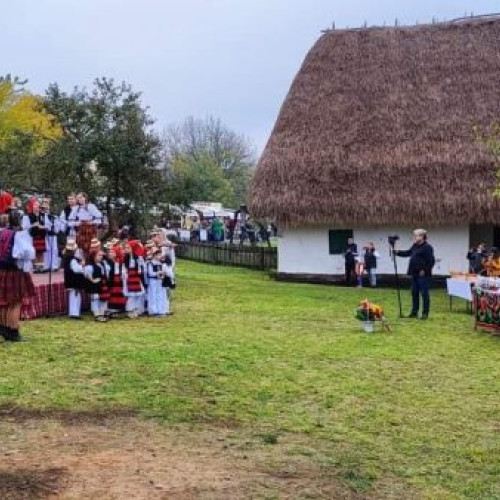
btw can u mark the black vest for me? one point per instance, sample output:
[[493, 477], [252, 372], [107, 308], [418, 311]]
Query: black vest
[[37, 232], [370, 259], [72, 279], [97, 272]]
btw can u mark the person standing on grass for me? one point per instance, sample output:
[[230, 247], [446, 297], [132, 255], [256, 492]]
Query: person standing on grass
[[16, 264], [422, 261], [369, 258], [160, 279], [350, 255], [74, 278], [96, 273]]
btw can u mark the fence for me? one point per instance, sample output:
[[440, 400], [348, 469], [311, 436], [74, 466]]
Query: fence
[[232, 255]]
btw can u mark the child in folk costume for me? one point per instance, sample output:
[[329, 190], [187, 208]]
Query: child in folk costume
[[117, 300], [133, 284], [34, 222], [96, 272], [74, 279], [157, 271]]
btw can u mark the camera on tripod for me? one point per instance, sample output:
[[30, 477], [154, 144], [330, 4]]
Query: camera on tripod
[[392, 240]]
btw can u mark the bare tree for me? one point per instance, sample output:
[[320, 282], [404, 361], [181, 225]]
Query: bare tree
[[233, 153]]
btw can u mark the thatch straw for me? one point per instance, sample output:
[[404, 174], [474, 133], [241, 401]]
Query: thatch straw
[[378, 128]]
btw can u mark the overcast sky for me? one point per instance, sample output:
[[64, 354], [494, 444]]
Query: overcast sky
[[233, 59]]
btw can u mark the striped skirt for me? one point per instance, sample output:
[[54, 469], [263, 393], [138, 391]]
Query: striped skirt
[[134, 283], [15, 286], [117, 300], [39, 244], [104, 294], [84, 236]]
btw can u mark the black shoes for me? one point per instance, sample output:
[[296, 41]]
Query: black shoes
[[415, 316], [11, 335]]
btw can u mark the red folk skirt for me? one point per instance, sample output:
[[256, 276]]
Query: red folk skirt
[[105, 293], [84, 236], [116, 299], [15, 286], [134, 283], [39, 244]]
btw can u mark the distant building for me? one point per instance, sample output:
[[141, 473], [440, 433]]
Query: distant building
[[376, 137]]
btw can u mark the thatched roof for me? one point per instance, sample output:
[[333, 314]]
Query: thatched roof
[[378, 128]]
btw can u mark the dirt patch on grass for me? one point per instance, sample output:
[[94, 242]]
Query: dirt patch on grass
[[118, 457], [32, 484], [19, 415]]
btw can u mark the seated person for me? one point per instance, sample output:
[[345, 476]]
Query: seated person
[[492, 263]]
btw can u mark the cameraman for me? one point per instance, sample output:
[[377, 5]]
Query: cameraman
[[420, 269]]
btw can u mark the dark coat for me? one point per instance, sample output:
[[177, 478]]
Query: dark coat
[[421, 259]]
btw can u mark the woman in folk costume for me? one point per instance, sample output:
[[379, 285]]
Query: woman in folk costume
[[34, 222], [51, 259], [133, 286], [165, 245], [139, 252], [16, 285], [85, 218], [74, 278], [157, 270], [117, 300], [96, 272]]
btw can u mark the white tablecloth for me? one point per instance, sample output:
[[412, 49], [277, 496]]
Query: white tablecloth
[[459, 288]]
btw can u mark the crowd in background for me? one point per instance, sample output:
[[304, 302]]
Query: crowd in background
[[483, 261], [220, 229]]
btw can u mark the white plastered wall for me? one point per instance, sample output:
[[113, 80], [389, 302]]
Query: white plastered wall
[[305, 250]]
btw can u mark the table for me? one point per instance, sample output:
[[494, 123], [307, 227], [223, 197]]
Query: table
[[460, 288]]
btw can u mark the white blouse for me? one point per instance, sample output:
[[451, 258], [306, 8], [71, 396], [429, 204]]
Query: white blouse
[[23, 251], [88, 213]]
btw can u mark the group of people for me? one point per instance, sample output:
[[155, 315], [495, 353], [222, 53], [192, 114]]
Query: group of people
[[357, 264], [484, 262], [121, 275], [421, 262]]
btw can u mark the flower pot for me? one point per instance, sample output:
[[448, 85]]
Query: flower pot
[[368, 326]]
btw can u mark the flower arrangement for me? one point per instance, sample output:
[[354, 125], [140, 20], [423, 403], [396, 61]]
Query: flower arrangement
[[368, 311]]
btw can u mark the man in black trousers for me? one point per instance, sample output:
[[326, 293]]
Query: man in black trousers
[[422, 261]]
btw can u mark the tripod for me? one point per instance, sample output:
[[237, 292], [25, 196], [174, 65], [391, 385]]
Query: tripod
[[396, 275]]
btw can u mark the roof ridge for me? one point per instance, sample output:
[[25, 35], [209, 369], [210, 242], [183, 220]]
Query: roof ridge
[[494, 16]]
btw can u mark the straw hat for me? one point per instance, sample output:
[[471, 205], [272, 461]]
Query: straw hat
[[71, 245]]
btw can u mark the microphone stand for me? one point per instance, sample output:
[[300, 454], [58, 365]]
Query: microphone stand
[[51, 250], [396, 274]]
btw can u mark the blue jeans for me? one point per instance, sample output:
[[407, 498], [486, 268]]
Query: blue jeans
[[420, 286]]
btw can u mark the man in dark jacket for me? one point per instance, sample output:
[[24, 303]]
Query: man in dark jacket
[[350, 255], [420, 269], [476, 257]]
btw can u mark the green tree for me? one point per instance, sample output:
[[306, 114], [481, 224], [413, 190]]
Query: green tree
[[196, 179], [232, 153], [109, 147], [27, 131]]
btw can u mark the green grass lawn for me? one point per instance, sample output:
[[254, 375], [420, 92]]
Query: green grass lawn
[[417, 408]]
